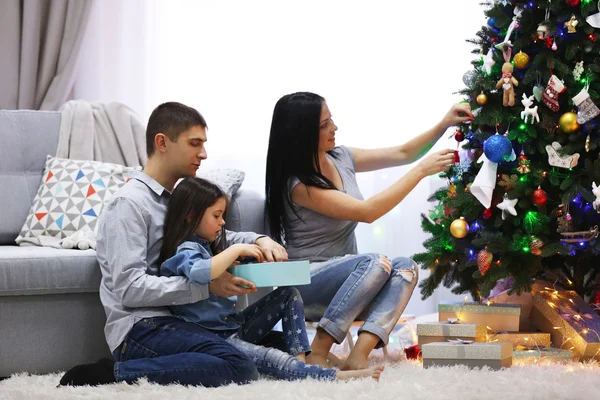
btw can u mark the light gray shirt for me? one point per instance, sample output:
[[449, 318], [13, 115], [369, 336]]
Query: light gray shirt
[[316, 237], [129, 240]]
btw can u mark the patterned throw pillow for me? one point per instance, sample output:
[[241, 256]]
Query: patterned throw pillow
[[228, 179], [70, 198]]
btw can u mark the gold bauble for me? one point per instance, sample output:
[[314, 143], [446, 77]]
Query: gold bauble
[[459, 228], [482, 99], [536, 246], [568, 122], [521, 60]]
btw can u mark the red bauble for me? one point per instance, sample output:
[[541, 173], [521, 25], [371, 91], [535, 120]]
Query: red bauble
[[487, 213], [539, 197], [459, 136], [413, 352], [573, 3]]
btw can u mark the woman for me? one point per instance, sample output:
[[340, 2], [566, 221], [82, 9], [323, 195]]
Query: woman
[[314, 205]]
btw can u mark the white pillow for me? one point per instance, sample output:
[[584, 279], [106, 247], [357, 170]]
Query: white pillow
[[228, 179], [70, 198]]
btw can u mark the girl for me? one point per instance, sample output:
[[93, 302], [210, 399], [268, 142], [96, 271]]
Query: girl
[[195, 246], [314, 205]]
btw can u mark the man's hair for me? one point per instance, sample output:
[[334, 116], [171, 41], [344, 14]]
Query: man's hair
[[171, 119]]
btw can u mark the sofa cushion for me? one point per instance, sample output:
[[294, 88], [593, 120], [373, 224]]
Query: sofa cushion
[[42, 270], [246, 212], [26, 138], [70, 198], [228, 179]]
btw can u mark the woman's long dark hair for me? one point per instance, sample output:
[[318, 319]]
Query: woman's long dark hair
[[188, 203], [293, 151]]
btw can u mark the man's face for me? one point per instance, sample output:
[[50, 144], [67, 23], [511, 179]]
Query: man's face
[[187, 153]]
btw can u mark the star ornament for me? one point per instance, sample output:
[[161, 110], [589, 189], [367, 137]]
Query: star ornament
[[508, 206], [488, 62]]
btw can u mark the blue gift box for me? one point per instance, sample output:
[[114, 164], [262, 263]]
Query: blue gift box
[[288, 273]]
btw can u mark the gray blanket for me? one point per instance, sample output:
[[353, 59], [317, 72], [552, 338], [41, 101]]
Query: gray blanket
[[109, 132]]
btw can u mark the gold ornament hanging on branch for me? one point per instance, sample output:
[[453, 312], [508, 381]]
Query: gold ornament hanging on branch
[[568, 122], [459, 228], [521, 60], [482, 99]]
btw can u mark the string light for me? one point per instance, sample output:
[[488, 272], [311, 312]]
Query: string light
[[576, 317]]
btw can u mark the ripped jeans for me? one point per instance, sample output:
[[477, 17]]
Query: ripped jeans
[[364, 287]]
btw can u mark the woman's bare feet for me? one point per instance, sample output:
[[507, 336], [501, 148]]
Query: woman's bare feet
[[354, 362], [301, 357], [374, 373], [316, 359], [334, 360]]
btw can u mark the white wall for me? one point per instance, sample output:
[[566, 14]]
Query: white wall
[[387, 69]]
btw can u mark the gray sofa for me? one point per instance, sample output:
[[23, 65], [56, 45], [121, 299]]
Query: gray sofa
[[51, 317]]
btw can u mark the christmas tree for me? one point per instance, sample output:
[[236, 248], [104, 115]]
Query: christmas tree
[[522, 200]]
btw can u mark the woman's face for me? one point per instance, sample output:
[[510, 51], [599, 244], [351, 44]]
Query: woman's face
[[327, 130]]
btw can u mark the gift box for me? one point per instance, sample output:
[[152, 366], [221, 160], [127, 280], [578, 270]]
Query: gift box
[[442, 331], [500, 294], [498, 317], [474, 355], [288, 273], [571, 322], [527, 339], [543, 354]]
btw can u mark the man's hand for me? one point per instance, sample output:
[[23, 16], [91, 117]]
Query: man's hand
[[272, 250], [227, 285]]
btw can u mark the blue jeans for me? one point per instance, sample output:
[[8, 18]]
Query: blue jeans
[[359, 287], [170, 350], [285, 304]]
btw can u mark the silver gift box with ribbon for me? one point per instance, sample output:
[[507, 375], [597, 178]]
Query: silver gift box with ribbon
[[498, 317], [442, 331], [495, 355]]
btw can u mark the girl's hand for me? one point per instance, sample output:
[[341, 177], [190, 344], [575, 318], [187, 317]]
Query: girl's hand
[[436, 162], [249, 250], [457, 114]]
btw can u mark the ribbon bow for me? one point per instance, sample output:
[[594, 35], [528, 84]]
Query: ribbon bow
[[570, 314], [460, 341], [507, 75]]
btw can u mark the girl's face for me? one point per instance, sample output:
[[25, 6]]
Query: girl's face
[[212, 221], [327, 130]]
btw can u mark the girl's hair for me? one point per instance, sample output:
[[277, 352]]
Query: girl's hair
[[293, 152], [187, 205]]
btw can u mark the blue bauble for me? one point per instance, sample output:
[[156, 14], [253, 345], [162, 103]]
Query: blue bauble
[[491, 23], [497, 147]]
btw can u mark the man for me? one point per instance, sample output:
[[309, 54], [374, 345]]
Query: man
[[146, 340]]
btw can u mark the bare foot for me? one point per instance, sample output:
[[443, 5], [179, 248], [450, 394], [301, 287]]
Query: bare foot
[[301, 357], [353, 363], [374, 373], [333, 360], [315, 359]]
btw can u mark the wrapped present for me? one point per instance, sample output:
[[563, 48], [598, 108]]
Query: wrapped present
[[498, 317], [442, 331], [527, 339], [474, 355], [571, 322], [551, 354], [500, 294], [286, 273]]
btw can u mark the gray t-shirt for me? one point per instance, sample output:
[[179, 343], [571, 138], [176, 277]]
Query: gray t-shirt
[[317, 237]]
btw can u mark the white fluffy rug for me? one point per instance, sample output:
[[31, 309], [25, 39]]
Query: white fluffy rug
[[400, 380]]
